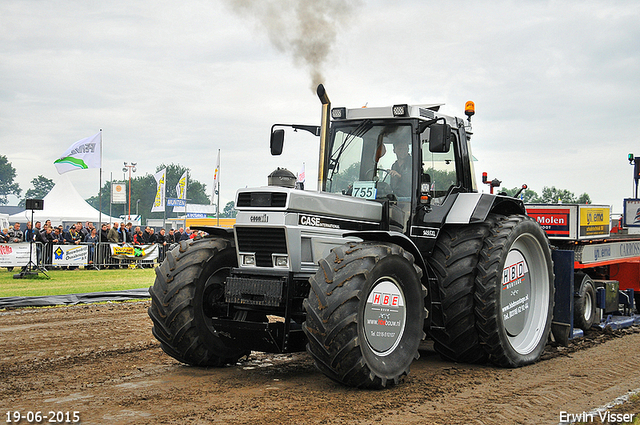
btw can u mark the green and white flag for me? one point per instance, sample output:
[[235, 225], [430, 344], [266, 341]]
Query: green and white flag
[[81, 155]]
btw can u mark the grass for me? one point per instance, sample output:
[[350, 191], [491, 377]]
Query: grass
[[79, 281]]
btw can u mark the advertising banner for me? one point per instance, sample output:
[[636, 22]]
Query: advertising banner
[[134, 252], [181, 193], [594, 221], [199, 215], [572, 221], [175, 202], [15, 254], [70, 255], [118, 193], [554, 220], [632, 212], [159, 201]]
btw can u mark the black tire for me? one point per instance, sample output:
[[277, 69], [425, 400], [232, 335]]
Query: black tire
[[188, 291], [513, 316], [454, 261], [353, 341], [584, 302]]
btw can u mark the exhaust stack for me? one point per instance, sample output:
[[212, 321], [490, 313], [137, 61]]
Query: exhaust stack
[[324, 134]]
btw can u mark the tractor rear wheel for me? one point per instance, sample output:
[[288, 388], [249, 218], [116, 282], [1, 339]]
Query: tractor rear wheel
[[365, 314], [514, 291], [454, 260], [188, 291]]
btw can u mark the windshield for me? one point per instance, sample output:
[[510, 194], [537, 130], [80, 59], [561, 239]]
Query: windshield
[[371, 160]]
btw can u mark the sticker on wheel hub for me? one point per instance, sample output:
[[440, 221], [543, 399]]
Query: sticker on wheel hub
[[384, 317], [516, 292]]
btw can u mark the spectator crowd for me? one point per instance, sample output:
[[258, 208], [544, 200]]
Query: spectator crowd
[[77, 233], [119, 233]]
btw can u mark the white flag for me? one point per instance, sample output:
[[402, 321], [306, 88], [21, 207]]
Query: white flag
[[81, 155], [159, 202], [181, 191], [301, 174], [216, 176], [181, 187]]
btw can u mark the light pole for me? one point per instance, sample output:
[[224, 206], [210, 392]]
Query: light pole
[[132, 168], [137, 202]]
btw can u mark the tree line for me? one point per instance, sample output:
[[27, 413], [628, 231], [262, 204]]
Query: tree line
[[550, 195]]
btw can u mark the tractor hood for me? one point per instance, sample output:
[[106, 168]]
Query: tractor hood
[[273, 198]]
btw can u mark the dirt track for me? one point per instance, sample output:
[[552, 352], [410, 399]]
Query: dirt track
[[102, 361]]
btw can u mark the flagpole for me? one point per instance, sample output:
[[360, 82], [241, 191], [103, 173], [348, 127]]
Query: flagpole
[[218, 192], [110, 195], [218, 207], [100, 193], [164, 210], [213, 187], [184, 196]]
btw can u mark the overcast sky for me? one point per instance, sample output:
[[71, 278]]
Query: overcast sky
[[556, 83]]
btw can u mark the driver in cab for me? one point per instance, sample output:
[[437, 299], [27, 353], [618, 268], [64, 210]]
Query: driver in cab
[[401, 170]]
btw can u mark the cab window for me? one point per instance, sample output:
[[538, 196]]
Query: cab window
[[438, 169]]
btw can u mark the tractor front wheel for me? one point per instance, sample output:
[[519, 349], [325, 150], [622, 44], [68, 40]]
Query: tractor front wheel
[[187, 293], [365, 314]]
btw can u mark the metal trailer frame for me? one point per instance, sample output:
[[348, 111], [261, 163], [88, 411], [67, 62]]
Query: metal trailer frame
[[565, 264]]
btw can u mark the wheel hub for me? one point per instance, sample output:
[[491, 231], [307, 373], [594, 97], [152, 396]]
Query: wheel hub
[[515, 294], [384, 316]]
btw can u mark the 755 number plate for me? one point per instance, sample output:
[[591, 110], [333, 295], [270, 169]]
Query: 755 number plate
[[364, 190]]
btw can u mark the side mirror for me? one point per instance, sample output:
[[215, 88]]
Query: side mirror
[[277, 142], [439, 138]]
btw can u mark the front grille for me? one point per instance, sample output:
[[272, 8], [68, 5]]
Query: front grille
[[278, 199], [263, 241], [239, 290], [262, 199]]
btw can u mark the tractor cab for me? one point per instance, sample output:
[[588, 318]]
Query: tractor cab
[[409, 157]]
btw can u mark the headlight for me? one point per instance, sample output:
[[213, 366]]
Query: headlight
[[248, 260], [401, 110], [339, 113], [281, 261]]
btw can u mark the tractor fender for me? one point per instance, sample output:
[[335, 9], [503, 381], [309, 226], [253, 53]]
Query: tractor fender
[[397, 238], [475, 207], [221, 232]]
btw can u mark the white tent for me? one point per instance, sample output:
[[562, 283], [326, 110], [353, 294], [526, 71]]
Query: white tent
[[64, 204]]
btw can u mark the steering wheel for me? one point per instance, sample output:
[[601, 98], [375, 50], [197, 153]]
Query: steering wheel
[[386, 172]]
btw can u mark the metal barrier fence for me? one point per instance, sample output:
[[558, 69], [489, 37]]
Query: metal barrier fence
[[88, 255]]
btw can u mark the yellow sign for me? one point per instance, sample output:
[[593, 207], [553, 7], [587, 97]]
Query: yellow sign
[[122, 250], [594, 221]]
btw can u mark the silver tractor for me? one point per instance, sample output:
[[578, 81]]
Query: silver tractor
[[396, 245]]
